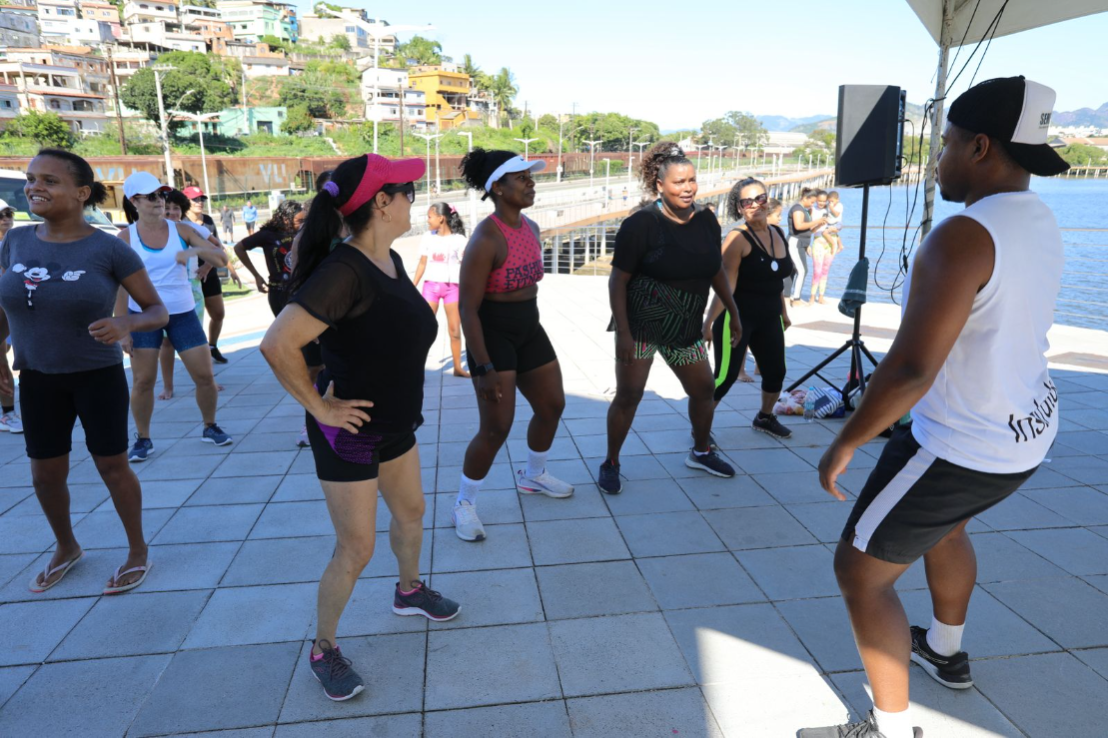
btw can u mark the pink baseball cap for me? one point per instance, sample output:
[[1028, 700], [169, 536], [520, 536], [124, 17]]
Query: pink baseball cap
[[379, 172], [193, 192]]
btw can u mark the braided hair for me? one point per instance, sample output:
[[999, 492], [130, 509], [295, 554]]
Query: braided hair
[[658, 159], [453, 218], [478, 165]]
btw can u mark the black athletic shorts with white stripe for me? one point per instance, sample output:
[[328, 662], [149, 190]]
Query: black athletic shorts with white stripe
[[913, 499]]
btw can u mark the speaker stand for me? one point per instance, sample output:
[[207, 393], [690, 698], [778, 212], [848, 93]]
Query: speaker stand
[[854, 344]]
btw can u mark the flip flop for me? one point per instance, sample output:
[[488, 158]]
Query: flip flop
[[144, 569], [63, 568]]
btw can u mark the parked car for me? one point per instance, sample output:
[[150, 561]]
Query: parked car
[[11, 191]]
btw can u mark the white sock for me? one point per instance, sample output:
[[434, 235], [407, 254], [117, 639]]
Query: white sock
[[894, 725], [536, 463], [468, 490], [944, 639]]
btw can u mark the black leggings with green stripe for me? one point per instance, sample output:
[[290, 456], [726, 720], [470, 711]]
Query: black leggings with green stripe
[[764, 334]]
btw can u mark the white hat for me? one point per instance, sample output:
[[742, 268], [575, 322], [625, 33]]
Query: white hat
[[142, 183], [515, 164], [4, 204]]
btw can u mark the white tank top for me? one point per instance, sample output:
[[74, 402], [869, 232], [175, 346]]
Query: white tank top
[[170, 278], [993, 407]]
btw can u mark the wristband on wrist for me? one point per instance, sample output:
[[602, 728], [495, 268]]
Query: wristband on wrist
[[482, 369]]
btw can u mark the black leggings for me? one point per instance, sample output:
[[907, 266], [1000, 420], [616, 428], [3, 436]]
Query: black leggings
[[764, 334]]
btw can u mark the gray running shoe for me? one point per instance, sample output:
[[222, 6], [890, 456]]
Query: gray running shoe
[[142, 449], [609, 481], [335, 673], [767, 423], [867, 728]]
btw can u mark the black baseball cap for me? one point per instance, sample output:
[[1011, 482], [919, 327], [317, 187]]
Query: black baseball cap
[[1016, 112]]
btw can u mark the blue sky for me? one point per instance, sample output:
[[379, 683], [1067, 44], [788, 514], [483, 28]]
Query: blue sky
[[680, 64]]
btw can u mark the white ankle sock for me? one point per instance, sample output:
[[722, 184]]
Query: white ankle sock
[[468, 490], [943, 638], [536, 463], [894, 725]]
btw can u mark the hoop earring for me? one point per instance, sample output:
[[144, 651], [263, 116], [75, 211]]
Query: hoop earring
[[386, 217]]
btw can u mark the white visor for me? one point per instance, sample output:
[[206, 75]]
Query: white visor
[[515, 164]]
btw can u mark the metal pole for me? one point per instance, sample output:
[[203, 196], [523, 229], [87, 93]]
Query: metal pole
[[438, 167], [558, 173], [203, 158], [936, 118], [165, 129], [376, 75], [115, 96]]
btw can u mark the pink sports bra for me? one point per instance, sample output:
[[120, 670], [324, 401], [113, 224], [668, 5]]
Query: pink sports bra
[[523, 267]]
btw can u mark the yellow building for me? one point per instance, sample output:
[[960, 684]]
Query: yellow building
[[447, 91]]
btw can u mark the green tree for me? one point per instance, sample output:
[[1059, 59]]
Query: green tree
[[315, 95], [504, 90], [733, 127], [275, 43], [208, 79], [1077, 155], [614, 130], [298, 120], [340, 42], [44, 128], [420, 51]]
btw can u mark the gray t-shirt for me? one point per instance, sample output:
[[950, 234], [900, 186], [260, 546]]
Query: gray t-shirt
[[51, 292], [803, 238]]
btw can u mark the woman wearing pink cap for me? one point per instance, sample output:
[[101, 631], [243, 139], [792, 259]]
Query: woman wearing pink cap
[[440, 262], [375, 331]]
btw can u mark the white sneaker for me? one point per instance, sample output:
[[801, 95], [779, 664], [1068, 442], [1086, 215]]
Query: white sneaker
[[302, 440], [466, 524], [545, 483], [11, 422]]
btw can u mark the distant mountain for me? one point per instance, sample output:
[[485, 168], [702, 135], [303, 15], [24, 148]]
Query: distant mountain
[[914, 113], [1082, 117], [781, 123]]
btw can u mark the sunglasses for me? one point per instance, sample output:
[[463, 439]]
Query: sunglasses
[[155, 196], [407, 189], [748, 202], [7, 213]]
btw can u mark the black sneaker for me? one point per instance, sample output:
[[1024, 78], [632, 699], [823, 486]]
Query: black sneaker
[[860, 729], [609, 481], [711, 441], [335, 673], [424, 602], [953, 671], [217, 357], [711, 463], [767, 423]]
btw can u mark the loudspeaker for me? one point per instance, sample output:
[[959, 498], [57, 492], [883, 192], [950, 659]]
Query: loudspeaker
[[869, 141]]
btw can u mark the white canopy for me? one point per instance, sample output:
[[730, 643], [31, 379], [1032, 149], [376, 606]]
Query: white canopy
[[948, 21], [1020, 15]]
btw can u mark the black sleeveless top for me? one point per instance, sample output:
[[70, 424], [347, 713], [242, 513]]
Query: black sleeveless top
[[759, 285]]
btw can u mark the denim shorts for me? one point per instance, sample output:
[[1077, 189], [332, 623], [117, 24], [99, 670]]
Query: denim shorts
[[184, 331]]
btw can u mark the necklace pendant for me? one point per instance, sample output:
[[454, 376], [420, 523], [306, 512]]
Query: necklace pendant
[[773, 266]]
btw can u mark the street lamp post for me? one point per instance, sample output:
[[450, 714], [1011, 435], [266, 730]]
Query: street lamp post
[[592, 154], [698, 148], [471, 192], [722, 148], [642, 145], [200, 118], [158, 70], [607, 180], [526, 146], [428, 137], [630, 150]]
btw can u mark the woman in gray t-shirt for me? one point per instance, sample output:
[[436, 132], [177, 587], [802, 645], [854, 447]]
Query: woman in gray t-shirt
[[58, 284]]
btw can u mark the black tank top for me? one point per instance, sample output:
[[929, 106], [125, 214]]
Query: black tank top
[[760, 285]]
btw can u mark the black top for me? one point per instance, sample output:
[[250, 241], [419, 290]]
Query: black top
[[379, 332], [276, 247], [685, 256], [759, 285], [803, 238], [208, 223]]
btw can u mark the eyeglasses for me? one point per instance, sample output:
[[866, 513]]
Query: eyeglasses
[[759, 199]]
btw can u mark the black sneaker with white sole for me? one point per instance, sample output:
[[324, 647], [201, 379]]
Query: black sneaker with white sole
[[609, 480], [952, 671], [767, 423], [424, 602], [867, 728], [710, 462], [335, 673]]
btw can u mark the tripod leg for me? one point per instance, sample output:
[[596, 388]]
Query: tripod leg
[[864, 349], [816, 370]]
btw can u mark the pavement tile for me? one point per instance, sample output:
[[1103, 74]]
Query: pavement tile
[[1046, 694], [104, 530], [617, 654], [100, 697], [202, 678], [1000, 558], [1018, 512], [250, 464], [397, 725], [82, 499], [587, 502], [634, 469], [824, 521], [774, 705], [1078, 551], [500, 477], [11, 679], [756, 528], [209, 523], [190, 467], [769, 461], [660, 713], [285, 520], [721, 643], [593, 589], [794, 487], [1094, 658], [297, 487], [1069, 611], [20, 645], [142, 623], [709, 493], [277, 613], [694, 580], [189, 566], [276, 561], [12, 497], [791, 572], [1050, 476], [235, 490], [505, 547], [501, 664], [939, 711], [490, 597], [571, 541], [650, 496], [391, 666], [663, 534], [1085, 506], [547, 718], [493, 507], [27, 534]]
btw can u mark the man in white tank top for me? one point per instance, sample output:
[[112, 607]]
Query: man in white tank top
[[969, 363]]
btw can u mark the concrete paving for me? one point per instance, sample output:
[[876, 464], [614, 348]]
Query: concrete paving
[[688, 605]]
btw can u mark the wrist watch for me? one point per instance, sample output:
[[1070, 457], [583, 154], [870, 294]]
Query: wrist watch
[[482, 369]]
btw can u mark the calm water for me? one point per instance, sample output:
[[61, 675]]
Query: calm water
[[1081, 207]]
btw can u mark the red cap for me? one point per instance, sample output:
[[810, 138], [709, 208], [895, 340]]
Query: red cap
[[378, 173], [192, 193]]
